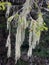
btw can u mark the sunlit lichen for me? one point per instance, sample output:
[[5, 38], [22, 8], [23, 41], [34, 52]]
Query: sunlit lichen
[[3, 5]]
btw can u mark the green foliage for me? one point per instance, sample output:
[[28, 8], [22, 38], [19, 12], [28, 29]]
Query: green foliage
[[40, 26], [3, 4]]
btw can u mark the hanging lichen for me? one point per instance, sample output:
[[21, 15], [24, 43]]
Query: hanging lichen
[[35, 28], [40, 26]]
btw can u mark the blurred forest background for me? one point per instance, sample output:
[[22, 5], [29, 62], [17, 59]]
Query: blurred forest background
[[40, 55]]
